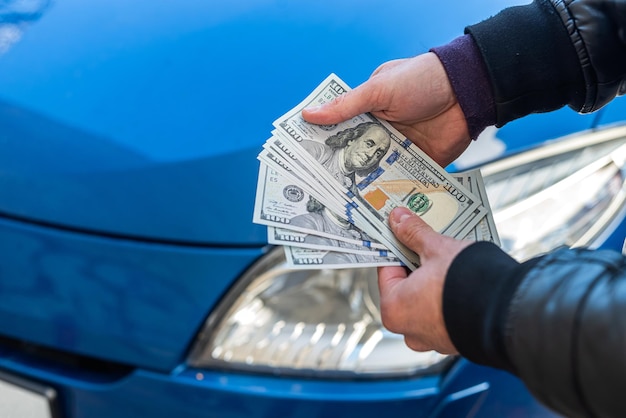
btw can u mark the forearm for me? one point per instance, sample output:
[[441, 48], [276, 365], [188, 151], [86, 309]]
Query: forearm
[[478, 290], [539, 57], [567, 335], [462, 62], [532, 64], [557, 322]]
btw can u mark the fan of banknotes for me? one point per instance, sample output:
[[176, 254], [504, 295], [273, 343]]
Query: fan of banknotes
[[325, 191]]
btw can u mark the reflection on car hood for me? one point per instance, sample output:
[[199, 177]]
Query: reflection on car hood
[[143, 119], [57, 175]]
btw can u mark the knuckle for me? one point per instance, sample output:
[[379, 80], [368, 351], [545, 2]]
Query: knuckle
[[415, 344], [340, 105], [412, 232]]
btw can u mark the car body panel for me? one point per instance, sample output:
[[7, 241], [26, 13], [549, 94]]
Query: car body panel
[[89, 183], [125, 301], [466, 391]]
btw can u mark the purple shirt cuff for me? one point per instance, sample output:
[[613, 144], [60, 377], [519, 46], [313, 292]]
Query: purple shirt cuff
[[470, 81]]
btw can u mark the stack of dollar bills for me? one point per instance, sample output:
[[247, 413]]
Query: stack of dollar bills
[[325, 192]]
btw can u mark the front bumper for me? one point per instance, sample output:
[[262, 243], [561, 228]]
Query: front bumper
[[466, 389]]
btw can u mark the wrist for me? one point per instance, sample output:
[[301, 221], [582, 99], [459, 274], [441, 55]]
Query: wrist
[[479, 286], [469, 81], [539, 69]]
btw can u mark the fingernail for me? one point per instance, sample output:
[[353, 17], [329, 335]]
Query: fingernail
[[313, 109], [399, 215]]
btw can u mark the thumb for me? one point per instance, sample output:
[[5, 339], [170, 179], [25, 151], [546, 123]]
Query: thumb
[[411, 230], [344, 107]]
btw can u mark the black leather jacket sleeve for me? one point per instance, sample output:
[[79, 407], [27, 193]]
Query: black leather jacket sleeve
[[557, 321], [552, 53]]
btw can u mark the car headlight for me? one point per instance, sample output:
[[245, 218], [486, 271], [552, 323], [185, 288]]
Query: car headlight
[[570, 192], [322, 323]]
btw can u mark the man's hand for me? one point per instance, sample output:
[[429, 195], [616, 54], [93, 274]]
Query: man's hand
[[412, 305], [415, 95]]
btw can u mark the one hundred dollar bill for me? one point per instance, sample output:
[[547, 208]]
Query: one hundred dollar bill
[[283, 203], [303, 258], [375, 169], [325, 192], [486, 229], [289, 237], [293, 168], [470, 230]]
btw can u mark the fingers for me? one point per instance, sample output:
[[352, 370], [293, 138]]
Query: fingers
[[344, 107], [390, 283], [389, 277], [411, 304], [416, 343], [372, 96], [441, 344], [412, 231]]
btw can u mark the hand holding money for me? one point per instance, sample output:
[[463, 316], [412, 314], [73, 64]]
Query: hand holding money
[[395, 93], [405, 296], [328, 190]]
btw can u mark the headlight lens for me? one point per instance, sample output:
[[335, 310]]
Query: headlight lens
[[308, 322], [569, 192]]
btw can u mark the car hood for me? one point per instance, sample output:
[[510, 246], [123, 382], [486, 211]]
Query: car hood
[[60, 176], [143, 119]]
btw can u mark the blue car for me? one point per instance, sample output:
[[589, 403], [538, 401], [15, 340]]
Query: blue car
[[132, 279]]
